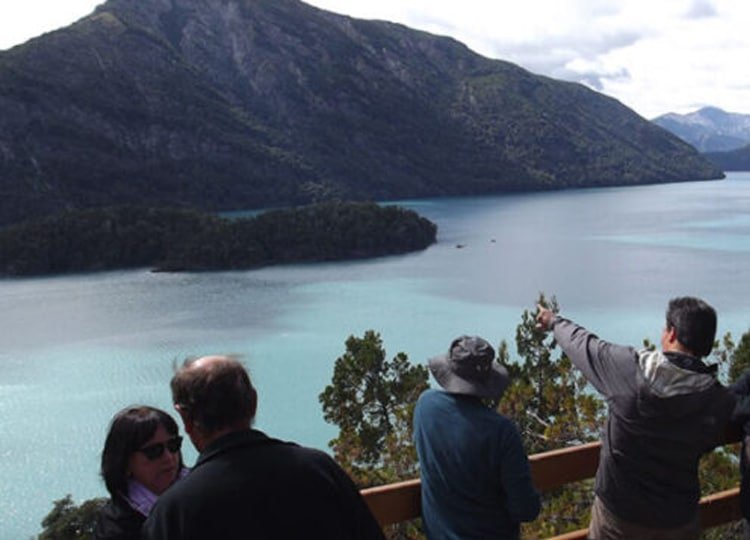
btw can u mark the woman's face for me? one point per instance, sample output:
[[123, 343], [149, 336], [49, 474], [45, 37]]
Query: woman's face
[[154, 465]]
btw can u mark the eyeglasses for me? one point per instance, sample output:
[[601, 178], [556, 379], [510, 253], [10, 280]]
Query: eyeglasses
[[156, 450]]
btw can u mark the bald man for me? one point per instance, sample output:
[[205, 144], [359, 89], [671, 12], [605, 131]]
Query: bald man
[[246, 484]]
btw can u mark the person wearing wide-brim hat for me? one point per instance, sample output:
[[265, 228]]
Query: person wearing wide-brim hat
[[476, 481]]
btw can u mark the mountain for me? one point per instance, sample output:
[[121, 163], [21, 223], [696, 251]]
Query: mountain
[[230, 104], [709, 129], [733, 160]]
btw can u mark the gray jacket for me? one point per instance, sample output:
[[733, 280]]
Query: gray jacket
[[665, 411]]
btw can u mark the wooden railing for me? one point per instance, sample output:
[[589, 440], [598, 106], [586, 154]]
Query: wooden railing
[[395, 503]]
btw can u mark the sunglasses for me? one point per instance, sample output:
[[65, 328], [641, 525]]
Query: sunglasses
[[155, 451]]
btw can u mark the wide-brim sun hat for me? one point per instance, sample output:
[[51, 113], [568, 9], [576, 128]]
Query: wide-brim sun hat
[[469, 368]]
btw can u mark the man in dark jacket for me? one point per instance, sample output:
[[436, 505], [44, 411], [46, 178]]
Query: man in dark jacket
[[246, 484], [741, 417], [666, 409]]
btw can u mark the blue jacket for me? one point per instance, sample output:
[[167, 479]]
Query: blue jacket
[[476, 482]]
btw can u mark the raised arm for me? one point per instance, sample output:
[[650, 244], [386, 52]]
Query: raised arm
[[607, 366]]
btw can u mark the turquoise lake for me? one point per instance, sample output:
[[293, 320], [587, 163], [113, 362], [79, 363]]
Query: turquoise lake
[[76, 349]]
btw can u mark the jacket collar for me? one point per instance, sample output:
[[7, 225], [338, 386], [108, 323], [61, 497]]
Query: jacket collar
[[243, 438], [691, 363], [667, 378]]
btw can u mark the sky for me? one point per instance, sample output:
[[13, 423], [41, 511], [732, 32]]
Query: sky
[[655, 56]]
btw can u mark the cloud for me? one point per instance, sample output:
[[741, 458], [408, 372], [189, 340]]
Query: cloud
[[653, 55], [702, 9], [599, 80], [576, 58], [588, 46], [24, 20]]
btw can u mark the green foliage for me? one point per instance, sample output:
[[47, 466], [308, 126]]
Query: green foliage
[[554, 407], [66, 521], [740, 355], [732, 160], [719, 470], [729, 531], [371, 400], [123, 237], [550, 401], [99, 239]]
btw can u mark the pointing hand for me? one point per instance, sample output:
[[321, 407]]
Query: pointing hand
[[544, 318]]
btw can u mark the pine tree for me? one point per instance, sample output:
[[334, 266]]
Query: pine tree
[[554, 407], [372, 401]]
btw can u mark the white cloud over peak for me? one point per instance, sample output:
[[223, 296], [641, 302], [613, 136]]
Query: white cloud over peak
[[655, 56]]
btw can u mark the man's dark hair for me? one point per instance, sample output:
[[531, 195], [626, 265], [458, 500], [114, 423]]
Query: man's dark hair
[[215, 396], [129, 430], [694, 322]]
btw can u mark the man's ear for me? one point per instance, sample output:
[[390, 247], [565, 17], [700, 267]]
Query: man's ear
[[671, 335], [187, 420], [253, 403]]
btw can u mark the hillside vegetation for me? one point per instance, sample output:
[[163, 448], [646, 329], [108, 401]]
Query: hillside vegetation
[[233, 104], [734, 160], [172, 240]]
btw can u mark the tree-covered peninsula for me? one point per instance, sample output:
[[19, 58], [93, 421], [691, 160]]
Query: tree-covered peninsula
[[175, 240]]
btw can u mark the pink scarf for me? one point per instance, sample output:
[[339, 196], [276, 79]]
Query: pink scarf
[[141, 499]]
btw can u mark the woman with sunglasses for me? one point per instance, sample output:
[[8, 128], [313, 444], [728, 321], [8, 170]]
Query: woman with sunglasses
[[141, 459]]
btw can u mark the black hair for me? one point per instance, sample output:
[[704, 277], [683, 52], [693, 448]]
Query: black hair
[[694, 321], [129, 430], [216, 396]]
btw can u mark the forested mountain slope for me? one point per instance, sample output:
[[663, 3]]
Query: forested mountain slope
[[228, 104]]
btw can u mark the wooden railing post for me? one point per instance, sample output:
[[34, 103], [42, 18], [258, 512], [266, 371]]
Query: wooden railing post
[[394, 503]]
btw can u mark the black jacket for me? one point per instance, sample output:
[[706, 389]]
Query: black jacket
[[741, 417], [247, 485], [118, 521], [665, 411]]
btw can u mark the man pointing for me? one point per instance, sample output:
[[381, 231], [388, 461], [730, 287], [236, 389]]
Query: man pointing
[[666, 409]]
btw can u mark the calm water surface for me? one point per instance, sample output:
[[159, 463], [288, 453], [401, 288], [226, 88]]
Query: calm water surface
[[76, 349]]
